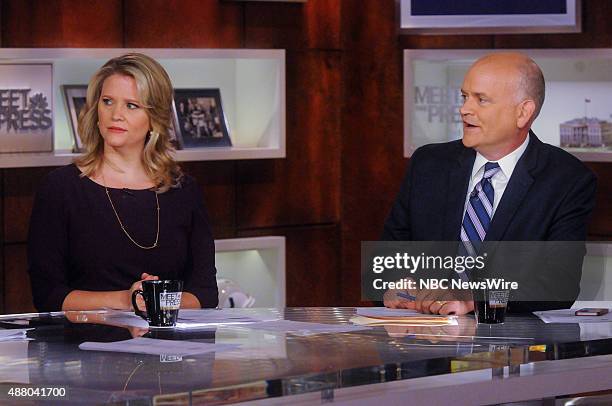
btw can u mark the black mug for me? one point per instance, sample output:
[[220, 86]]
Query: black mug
[[162, 300]]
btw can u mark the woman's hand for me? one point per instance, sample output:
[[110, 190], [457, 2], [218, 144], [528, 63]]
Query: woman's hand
[[138, 286], [100, 318]]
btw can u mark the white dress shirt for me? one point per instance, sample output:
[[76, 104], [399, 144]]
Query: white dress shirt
[[499, 181]]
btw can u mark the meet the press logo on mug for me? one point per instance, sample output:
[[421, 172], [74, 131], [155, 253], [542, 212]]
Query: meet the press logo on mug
[[170, 300]]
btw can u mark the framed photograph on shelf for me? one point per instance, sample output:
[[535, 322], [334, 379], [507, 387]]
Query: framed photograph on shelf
[[489, 17], [199, 118], [75, 97]]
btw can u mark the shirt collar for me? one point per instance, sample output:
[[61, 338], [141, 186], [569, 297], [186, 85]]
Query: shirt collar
[[507, 163]]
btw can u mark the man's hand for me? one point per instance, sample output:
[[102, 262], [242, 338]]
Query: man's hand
[[440, 301], [443, 301], [399, 299], [456, 307]]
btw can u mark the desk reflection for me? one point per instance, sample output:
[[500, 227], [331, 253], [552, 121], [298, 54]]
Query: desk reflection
[[275, 363], [97, 376]]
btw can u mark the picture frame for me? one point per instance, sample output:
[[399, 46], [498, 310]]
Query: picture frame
[[487, 17], [75, 97], [199, 118]]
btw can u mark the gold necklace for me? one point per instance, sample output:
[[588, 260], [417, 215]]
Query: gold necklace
[[123, 227]]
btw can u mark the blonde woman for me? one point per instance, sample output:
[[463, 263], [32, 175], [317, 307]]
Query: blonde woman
[[123, 212]]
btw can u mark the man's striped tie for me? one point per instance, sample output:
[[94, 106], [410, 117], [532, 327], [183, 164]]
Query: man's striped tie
[[478, 214]]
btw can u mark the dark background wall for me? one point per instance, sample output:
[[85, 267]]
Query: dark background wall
[[344, 122]]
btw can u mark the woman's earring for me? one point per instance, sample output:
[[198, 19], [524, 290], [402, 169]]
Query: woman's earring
[[151, 134]]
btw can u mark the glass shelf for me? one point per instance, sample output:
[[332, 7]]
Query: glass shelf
[[257, 265], [578, 84], [252, 84]]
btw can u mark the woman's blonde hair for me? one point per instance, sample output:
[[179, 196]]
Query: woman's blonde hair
[[156, 93]]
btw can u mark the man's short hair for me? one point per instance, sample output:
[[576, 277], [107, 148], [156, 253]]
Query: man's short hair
[[532, 84]]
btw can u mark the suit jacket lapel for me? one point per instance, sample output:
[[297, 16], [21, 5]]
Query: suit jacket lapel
[[458, 181], [515, 192]]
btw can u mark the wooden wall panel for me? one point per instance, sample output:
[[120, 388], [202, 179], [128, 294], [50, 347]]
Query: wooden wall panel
[[446, 41], [596, 31], [217, 180], [20, 186], [315, 24], [303, 188], [313, 261], [62, 23], [369, 25], [18, 292], [183, 24], [372, 162]]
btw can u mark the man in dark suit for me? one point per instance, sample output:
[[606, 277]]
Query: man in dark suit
[[499, 183]]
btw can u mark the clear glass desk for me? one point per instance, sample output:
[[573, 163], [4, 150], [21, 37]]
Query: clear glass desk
[[271, 366]]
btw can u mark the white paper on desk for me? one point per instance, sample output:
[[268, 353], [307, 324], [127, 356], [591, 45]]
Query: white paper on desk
[[386, 312], [569, 316], [221, 316], [13, 334], [155, 346], [188, 319], [126, 319], [303, 328]]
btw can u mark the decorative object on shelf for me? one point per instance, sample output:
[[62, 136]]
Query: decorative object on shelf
[[199, 118], [75, 97], [489, 17], [232, 295], [26, 107]]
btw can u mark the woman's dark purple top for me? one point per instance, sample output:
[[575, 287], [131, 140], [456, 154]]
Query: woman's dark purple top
[[76, 243]]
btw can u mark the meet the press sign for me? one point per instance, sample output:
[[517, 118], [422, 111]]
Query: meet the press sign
[[440, 103], [21, 110], [26, 110], [170, 300]]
